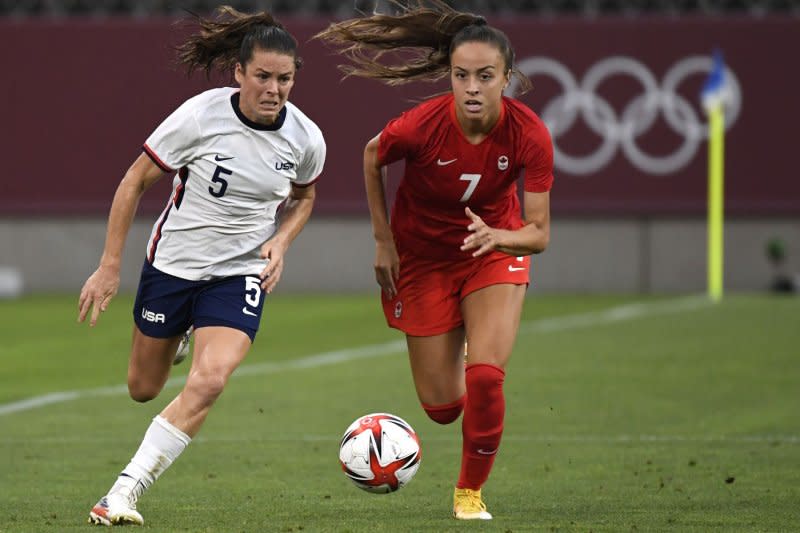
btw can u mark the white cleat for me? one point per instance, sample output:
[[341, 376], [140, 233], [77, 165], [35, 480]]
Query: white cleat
[[115, 509], [184, 347]]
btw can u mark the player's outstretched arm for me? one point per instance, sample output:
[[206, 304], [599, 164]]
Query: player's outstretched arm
[[387, 262], [102, 285], [532, 238]]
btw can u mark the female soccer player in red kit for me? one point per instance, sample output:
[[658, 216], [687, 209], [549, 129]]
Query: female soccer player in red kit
[[454, 262]]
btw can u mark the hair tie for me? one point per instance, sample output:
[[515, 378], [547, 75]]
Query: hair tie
[[479, 21]]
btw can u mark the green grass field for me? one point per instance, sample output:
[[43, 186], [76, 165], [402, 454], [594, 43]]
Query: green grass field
[[624, 414]]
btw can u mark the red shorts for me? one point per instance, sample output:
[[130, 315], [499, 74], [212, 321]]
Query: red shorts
[[429, 292]]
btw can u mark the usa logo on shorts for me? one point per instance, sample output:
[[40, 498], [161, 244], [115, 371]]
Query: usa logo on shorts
[[398, 309]]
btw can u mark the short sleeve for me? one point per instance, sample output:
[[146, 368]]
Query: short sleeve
[[396, 141], [313, 160], [172, 144], [538, 160]]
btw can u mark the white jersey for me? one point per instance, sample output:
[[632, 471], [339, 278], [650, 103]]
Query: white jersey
[[232, 176]]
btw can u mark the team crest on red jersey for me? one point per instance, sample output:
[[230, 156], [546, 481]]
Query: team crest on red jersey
[[502, 162]]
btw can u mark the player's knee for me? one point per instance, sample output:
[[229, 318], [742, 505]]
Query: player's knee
[[207, 386], [141, 391], [214, 386], [484, 377], [447, 413]]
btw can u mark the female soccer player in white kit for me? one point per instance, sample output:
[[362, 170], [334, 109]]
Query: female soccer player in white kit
[[217, 246]]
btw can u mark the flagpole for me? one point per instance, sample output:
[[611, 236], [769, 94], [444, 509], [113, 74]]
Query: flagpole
[[714, 96], [716, 155]]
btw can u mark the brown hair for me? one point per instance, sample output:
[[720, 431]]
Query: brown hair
[[231, 37], [425, 36]]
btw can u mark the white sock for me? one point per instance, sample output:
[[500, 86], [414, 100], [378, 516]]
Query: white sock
[[162, 444]]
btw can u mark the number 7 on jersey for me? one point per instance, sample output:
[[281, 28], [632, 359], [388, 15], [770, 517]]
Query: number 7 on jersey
[[473, 180]]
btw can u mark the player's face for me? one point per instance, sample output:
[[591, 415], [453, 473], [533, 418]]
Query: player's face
[[478, 74], [265, 83]]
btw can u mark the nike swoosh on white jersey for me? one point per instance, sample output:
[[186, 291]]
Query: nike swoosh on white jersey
[[246, 311], [512, 268], [445, 163]]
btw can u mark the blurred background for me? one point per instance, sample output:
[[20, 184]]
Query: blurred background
[[617, 82]]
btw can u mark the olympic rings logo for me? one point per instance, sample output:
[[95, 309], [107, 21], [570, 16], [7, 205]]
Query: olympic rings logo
[[621, 130]]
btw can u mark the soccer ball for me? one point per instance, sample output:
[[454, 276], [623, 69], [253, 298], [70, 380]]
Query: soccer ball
[[380, 452]]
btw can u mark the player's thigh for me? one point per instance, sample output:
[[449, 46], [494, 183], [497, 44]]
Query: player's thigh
[[151, 358], [491, 318], [437, 366], [226, 317], [162, 312], [218, 351]]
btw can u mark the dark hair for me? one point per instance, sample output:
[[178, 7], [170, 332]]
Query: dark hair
[[426, 36], [231, 37]]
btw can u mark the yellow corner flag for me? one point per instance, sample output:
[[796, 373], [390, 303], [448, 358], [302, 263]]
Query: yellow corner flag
[[714, 96]]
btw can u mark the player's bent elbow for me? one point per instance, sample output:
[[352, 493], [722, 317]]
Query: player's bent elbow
[[540, 245], [536, 238]]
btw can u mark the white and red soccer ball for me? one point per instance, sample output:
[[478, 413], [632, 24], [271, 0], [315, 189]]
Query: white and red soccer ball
[[380, 452]]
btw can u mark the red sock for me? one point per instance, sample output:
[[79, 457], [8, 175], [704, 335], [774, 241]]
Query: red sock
[[482, 425], [444, 414]]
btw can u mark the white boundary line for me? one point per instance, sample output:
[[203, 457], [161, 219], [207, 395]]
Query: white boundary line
[[567, 322], [561, 439]]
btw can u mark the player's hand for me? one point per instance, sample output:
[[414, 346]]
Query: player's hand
[[484, 238], [387, 267], [273, 251], [97, 293]]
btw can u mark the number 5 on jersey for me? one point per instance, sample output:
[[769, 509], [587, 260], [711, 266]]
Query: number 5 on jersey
[[473, 180], [223, 183]]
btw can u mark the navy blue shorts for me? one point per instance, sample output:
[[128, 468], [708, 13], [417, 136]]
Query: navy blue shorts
[[166, 305]]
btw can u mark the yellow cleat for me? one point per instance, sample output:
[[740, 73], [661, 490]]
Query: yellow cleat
[[468, 505]]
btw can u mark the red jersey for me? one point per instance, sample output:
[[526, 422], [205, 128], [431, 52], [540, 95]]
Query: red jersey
[[445, 173]]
